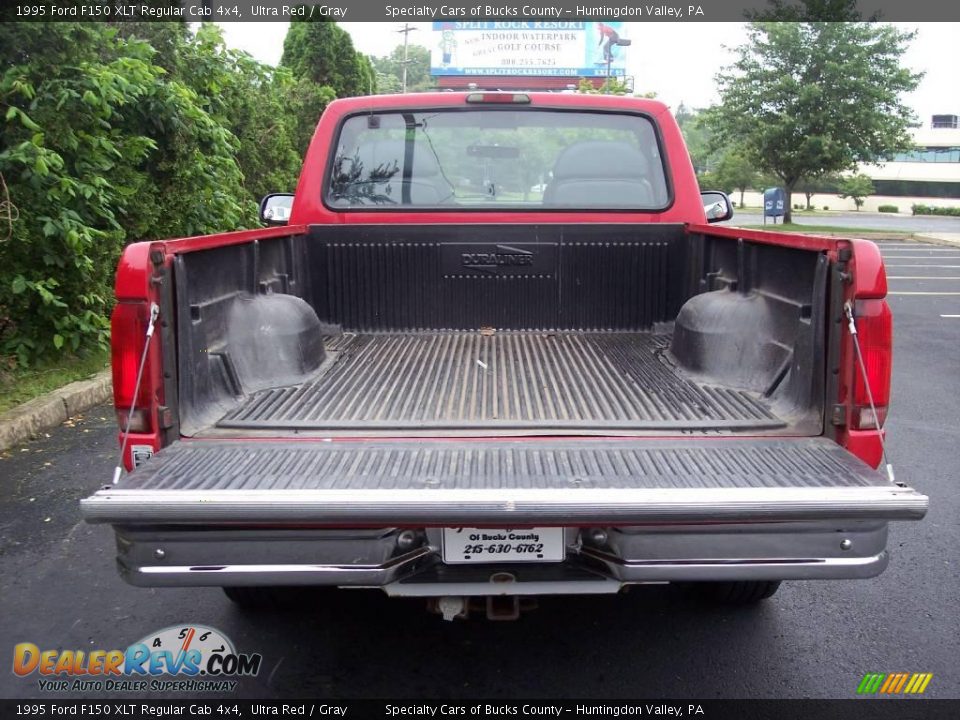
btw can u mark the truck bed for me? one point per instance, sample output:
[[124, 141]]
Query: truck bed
[[567, 329], [513, 380]]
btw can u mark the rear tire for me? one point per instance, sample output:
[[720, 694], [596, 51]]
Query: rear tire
[[276, 598], [735, 592]]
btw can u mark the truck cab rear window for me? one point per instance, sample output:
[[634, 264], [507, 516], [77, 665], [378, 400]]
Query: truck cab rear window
[[492, 158]]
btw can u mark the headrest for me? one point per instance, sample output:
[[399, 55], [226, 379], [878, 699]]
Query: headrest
[[600, 159]]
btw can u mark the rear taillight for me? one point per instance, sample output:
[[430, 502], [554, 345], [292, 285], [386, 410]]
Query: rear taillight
[[875, 332], [128, 328]]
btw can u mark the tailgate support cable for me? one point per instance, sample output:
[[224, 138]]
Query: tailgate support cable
[[154, 312], [852, 325]]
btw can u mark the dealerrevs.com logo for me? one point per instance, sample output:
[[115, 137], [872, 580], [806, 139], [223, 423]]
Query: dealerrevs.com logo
[[185, 658]]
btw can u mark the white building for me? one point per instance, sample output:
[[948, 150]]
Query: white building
[[927, 175]]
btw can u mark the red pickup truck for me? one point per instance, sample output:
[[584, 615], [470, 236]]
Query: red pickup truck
[[494, 347]]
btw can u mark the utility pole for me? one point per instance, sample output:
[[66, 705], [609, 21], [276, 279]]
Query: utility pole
[[406, 34]]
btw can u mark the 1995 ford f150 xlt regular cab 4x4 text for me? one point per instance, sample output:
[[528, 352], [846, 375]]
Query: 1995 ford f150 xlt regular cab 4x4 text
[[493, 348]]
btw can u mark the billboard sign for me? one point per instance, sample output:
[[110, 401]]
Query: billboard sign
[[550, 49]]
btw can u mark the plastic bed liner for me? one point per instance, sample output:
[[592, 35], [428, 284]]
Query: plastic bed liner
[[511, 380], [515, 482]]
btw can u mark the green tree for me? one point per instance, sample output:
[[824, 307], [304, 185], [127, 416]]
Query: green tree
[[611, 86], [810, 11], [857, 188], [388, 84], [166, 38], [323, 52], [111, 133], [807, 99], [810, 186], [418, 69], [735, 172], [182, 194], [305, 102], [251, 100], [696, 135], [368, 75], [98, 146]]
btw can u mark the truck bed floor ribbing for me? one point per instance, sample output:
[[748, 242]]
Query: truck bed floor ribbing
[[450, 380]]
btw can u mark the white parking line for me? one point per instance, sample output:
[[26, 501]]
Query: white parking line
[[922, 257], [922, 293], [892, 265], [919, 277], [950, 316]]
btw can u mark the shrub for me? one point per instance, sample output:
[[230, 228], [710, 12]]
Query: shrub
[[857, 188], [76, 167], [888, 209], [110, 137], [826, 207], [933, 210]]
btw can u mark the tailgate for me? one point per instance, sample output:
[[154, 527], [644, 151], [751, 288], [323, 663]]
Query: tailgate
[[505, 483]]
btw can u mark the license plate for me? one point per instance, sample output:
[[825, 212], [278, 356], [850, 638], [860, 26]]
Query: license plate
[[485, 545]]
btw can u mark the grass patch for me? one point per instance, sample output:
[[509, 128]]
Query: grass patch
[[19, 385], [757, 210], [832, 230]]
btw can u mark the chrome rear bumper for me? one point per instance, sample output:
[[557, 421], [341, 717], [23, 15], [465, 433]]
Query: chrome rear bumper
[[272, 512], [178, 556]]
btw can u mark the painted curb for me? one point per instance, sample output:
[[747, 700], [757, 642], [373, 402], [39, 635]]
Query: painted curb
[[47, 411], [946, 239]]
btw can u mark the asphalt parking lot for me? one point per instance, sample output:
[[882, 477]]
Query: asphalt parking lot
[[879, 222], [60, 590]]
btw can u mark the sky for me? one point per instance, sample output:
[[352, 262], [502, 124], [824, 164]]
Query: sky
[[676, 60]]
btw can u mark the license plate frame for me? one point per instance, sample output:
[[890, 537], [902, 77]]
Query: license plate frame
[[484, 546]]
